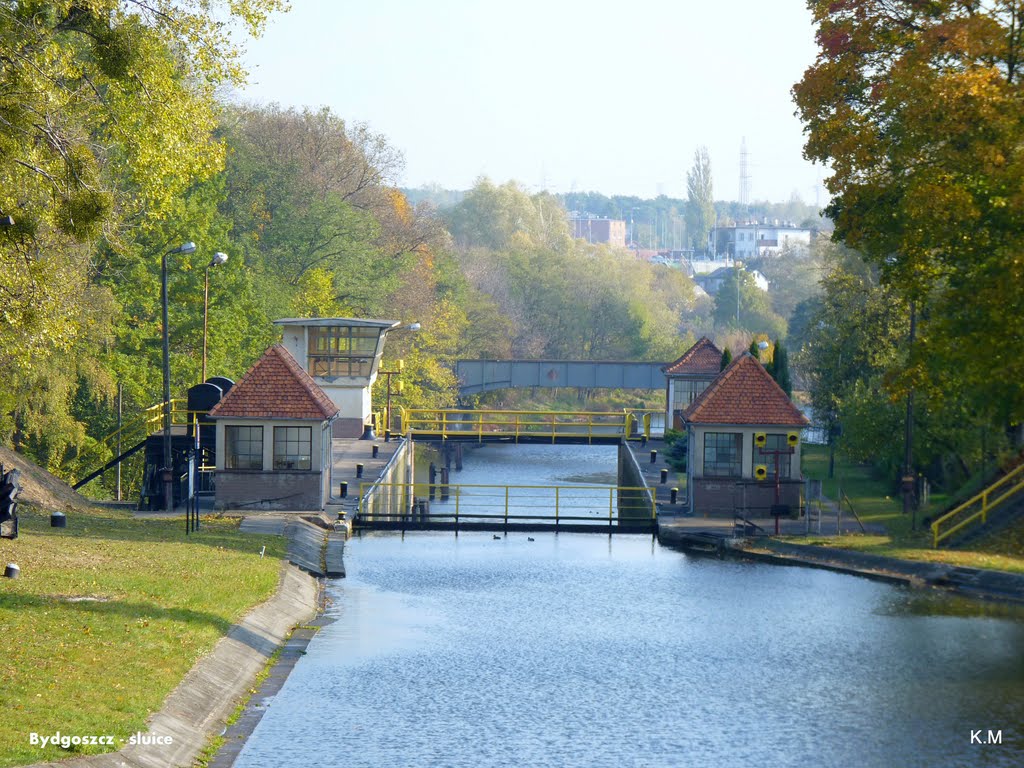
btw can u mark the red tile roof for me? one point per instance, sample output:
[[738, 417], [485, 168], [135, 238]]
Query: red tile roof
[[276, 387], [702, 358], [744, 393]]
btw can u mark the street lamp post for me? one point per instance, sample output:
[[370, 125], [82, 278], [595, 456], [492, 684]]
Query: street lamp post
[[909, 504], [414, 327], [737, 265], [218, 259], [167, 471], [387, 412]]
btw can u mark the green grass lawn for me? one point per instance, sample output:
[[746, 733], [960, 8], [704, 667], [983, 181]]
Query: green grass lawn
[[108, 616], [876, 502]]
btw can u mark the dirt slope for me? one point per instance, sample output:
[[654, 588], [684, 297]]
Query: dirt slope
[[42, 489]]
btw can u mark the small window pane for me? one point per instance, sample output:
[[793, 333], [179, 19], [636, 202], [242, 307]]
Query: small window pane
[[722, 454], [244, 447], [342, 351], [293, 448]]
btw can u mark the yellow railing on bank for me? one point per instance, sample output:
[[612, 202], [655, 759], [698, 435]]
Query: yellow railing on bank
[[535, 425], [509, 503], [976, 508]]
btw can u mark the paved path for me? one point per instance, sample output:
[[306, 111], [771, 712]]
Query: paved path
[[347, 453]]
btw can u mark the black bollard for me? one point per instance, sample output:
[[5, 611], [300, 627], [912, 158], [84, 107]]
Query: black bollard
[[664, 476], [387, 435], [376, 450], [12, 571], [654, 456], [58, 520], [675, 493], [344, 489], [359, 470]]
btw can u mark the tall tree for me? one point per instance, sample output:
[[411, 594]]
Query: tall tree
[[311, 202], [107, 117], [917, 107], [700, 201], [780, 368], [108, 105]]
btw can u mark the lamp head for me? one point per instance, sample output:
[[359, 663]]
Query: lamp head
[[218, 258], [188, 247]]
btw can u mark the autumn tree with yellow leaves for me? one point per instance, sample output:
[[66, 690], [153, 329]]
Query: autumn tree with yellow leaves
[[918, 107]]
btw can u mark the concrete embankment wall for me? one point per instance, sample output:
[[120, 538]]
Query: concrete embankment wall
[[633, 505], [391, 493], [970, 582]]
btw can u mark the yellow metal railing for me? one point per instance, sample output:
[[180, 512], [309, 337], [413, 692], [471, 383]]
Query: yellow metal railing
[[151, 421], [509, 503], [977, 507], [637, 426], [487, 424]]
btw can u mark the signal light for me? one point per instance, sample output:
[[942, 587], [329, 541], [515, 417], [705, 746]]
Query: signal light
[[793, 439], [760, 439], [760, 472]]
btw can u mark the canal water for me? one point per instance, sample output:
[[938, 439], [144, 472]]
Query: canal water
[[589, 650], [520, 480]]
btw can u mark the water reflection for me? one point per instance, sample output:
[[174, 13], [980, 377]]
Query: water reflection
[[577, 650], [937, 603], [526, 464]]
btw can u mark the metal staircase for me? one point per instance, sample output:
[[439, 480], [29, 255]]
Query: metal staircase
[[997, 505]]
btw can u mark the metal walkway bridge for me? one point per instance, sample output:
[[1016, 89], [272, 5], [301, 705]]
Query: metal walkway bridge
[[476, 376], [505, 508], [552, 427]]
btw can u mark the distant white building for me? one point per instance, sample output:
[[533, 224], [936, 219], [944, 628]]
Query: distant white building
[[712, 281], [756, 238]]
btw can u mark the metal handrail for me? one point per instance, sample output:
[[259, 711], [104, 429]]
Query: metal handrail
[[498, 423], [505, 498], [150, 420], [986, 502]]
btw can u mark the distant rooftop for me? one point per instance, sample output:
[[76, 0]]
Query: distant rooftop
[[702, 358], [331, 321]]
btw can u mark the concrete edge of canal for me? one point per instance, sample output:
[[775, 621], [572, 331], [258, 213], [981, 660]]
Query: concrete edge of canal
[[196, 710], [970, 582]]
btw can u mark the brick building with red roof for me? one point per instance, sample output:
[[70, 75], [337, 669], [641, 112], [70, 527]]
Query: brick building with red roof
[[275, 429], [687, 377], [743, 444]]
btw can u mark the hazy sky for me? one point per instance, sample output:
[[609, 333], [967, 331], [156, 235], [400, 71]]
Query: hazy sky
[[557, 94]]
